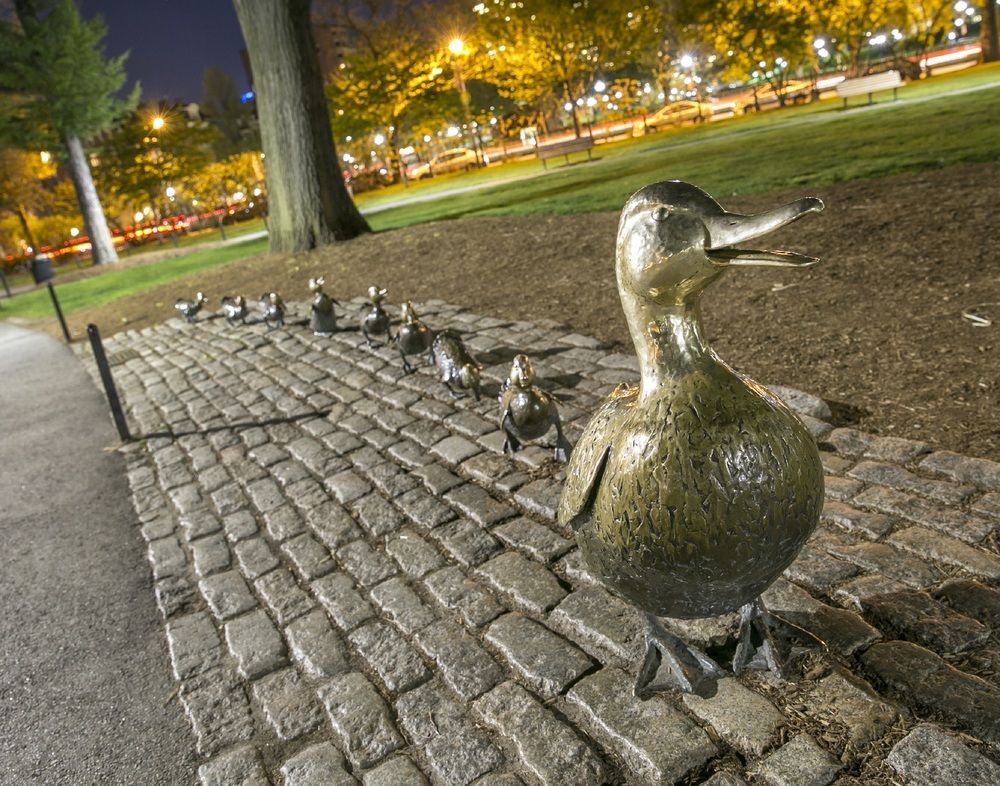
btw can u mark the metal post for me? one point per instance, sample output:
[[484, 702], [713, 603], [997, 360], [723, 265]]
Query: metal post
[[59, 313], [6, 287], [109, 384]]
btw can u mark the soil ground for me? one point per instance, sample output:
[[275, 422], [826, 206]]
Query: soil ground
[[876, 328]]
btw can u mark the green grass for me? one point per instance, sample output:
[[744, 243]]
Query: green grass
[[114, 284], [811, 145]]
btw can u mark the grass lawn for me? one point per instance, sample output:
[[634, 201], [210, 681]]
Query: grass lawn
[[101, 289], [809, 145]]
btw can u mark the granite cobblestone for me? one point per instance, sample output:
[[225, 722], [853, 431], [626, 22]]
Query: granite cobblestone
[[371, 558]]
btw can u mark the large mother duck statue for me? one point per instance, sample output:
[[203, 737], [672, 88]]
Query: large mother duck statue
[[691, 493]]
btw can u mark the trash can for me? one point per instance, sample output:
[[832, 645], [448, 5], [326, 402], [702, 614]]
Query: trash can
[[41, 269]]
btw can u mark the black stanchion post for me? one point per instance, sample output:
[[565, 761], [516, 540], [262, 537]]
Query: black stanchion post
[[59, 313], [109, 383]]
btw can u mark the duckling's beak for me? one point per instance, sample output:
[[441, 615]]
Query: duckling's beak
[[726, 230]]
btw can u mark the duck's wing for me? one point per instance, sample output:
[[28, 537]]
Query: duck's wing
[[588, 460]]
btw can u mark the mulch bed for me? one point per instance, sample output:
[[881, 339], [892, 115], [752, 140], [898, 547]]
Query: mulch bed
[[876, 328]]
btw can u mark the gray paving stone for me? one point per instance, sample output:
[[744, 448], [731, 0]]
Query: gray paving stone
[[239, 526], [466, 542], [310, 559], [255, 557], [883, 558], [318, 765], [896, 449], [343, 603], [965, 526], [865, 523], [546, 662], [283, 523], [844, 631], [365, 564], [391, 480], [925, 681], [979, 472], [217, 708], [239, 767], [333, 525], [194, 645], [229, 499], [530, 586], [799, 762], [818, 570], [315, 646], [898, 478], [461, 595], [463, 664], [454, 449], [255, 644], [744, 719], [288, 703], [536, 540], [836, 487], [540, 497], [947, 550], [176, 595], [286, 599], [437, 478], [390, 655], [414, 555], [849, 441], [918, 617], [929, 757], [972, 598], [266, 495], [479, 506], [600, 623], [397, 771], [167, 558], [461, 756], [549, 749], [360, 719], [857, 591], [724, 779], [377, 515], [397, 601], [653, 738], [855, 706], [424, 509], [347, 486]]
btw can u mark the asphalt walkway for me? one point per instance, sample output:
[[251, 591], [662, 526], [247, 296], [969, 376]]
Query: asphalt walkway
[[86, 695]]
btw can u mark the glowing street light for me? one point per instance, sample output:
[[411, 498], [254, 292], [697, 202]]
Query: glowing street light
[[687, 61], [138, 215], [379, 139], [456, 46], [73, 232], [46, 156], [171, 192], [599, 86], [158, 123], [238, 196]]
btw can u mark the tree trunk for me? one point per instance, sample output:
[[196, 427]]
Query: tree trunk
[[96, 225], [991, 32], [308, 202], [569, 99], [29, 236]]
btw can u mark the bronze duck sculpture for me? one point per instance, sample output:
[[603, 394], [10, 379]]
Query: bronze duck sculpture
[[455, 365], [527, 412], [189, 308], [374, 319], [322, 320], [273, 309], [234, 309], [413, 337], [690, 493]]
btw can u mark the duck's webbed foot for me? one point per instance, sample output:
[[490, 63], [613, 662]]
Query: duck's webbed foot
[[759, 644], [688, 668]]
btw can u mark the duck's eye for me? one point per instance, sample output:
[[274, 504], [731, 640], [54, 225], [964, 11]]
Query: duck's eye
[[661, 214]]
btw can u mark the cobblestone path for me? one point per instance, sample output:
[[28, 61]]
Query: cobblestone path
[[358, 587]]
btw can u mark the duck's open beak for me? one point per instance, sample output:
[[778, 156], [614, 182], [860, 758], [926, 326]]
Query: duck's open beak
[[727, 230]]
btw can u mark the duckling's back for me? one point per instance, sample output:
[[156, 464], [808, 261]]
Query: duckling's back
[[691, 501]]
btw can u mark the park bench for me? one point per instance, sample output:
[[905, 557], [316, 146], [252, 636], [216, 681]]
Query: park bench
[[869, 84], [553, 149]]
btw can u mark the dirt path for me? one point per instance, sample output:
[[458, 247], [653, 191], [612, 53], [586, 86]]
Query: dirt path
[[876, 327]]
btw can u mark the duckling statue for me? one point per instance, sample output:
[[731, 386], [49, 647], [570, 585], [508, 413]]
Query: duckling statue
[[374, 320], [234, 309], [413, 337], [690, 493], [189, 308], [455, 364], [527, 412], [273, 309], [323, 321]]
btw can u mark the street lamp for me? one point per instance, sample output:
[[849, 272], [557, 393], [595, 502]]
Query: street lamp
[[158, 123], [457, 48]]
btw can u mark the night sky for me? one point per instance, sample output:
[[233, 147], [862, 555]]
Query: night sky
[[171, 42]]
